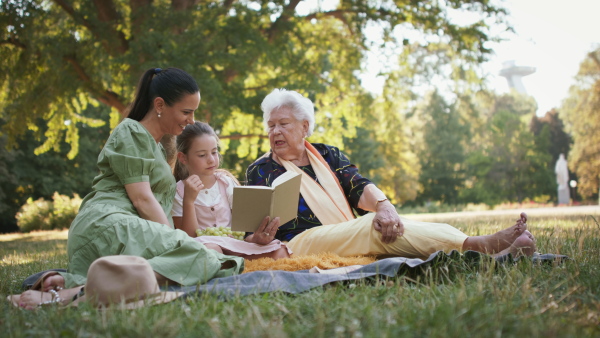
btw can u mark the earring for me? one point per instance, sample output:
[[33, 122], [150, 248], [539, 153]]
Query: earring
[[159, 114]]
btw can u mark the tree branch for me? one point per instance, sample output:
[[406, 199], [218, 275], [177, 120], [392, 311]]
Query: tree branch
[[338, 14], [136, 5], [106, 10], [122, 44], [285, 16], [138, 16], [227, 4], [230, 74], [14, 42], [237, 137], [78, 18], [107, 13], [227, 75], [105, 96], [180, 5]]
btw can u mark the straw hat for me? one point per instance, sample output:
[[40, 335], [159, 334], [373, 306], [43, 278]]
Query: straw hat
[[126, 282]]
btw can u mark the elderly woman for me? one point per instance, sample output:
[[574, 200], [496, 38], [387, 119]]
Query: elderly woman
[[332, 190]]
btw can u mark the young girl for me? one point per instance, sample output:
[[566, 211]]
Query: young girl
[[205, 193]]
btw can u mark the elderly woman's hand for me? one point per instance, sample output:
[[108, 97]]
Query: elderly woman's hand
[[265, 232], [388, 222]]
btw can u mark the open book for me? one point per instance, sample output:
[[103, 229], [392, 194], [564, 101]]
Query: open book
[[251, 204]]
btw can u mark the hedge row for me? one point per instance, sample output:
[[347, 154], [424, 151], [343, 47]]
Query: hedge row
[[48, 215]]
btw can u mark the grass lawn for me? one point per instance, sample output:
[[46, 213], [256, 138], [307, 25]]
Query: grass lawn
[[521, 300]]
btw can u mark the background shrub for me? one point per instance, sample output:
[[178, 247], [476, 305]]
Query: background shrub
[[47, 215]]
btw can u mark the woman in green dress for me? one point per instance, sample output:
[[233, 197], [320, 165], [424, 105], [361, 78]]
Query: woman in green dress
[[128, 211]]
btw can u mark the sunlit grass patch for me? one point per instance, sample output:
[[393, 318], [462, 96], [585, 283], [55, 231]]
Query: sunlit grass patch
[[22, 255], [35, 236]]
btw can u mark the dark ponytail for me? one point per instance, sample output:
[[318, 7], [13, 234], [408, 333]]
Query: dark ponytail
[[171, 84]]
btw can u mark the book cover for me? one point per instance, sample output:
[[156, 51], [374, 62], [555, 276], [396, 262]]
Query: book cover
[[251, 204]]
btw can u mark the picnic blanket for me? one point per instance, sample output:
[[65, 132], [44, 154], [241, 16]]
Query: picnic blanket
[[294, 282]]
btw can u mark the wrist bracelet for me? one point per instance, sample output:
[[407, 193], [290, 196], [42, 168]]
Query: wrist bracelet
[[379, 201]]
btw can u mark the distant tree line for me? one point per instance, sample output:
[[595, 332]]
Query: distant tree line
[[495, 151]]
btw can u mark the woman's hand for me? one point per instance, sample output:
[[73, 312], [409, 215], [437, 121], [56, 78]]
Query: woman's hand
[[265, 232], [191, 187], [388, 222]]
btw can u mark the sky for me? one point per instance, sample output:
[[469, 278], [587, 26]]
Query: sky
[[553, 36]]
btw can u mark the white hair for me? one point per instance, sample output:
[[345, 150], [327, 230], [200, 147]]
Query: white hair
[[302, 107]]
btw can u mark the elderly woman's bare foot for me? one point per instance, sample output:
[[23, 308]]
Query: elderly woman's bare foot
[[524, 245], [499, 241], [505, 238], [56, 282]]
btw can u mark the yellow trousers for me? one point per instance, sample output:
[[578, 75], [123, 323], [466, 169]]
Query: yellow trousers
[[358, 237]]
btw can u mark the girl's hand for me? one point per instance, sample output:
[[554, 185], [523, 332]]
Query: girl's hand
[[192, 186]]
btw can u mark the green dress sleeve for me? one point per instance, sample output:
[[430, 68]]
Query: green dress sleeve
[[130, 154]]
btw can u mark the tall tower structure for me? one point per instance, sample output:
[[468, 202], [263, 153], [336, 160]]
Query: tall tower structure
[[514, 73]]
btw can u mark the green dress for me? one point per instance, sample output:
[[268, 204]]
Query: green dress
[[108, 223]]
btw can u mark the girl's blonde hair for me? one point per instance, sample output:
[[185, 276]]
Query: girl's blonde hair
[[184, 142]]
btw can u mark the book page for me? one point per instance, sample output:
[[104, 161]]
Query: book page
[[283, 177]]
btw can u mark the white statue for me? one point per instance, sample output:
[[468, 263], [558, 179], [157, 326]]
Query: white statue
[[562, 178]]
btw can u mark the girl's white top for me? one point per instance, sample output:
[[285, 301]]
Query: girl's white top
[[206, 197]]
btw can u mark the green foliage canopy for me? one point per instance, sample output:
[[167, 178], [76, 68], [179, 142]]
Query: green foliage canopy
[[509, 163], [559, 139], [61, 55], [440, 150], [23, 174], [67, 65]]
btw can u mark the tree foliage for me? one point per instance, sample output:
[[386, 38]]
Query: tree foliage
[[440, 150], [39, 176], [508, 164], [61, 55], [581, 114], [552, 128], [399, 169]]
